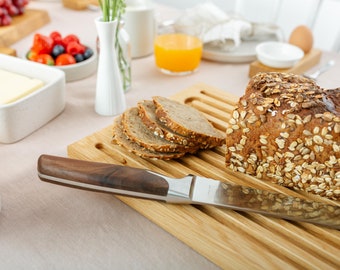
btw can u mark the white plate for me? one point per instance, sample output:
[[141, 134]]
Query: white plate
[[245, 53]]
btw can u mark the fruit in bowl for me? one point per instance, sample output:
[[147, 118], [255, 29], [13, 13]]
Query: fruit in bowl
[[57, 50], [67, 53]]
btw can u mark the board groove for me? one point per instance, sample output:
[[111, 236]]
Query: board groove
[[230, 239]]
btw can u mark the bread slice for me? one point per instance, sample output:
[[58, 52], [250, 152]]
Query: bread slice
[[120, 138], [187, 121], [147, 112], [137, 131]]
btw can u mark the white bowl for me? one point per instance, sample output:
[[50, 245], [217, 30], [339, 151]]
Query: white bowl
[[278, 54], [25, 115], [80, 70]]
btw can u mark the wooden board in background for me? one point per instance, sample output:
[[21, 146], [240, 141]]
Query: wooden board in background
[[79, 4], [230, 239], [22, 26], [8, 51], [308, 61]]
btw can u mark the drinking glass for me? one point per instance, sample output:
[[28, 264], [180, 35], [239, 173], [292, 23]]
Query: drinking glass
[[177, 51]]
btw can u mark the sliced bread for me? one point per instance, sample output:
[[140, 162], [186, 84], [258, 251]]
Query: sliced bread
[[187, 121], [121, 139], [137, 131], [147, 112]]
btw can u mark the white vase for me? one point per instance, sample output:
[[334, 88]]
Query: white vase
[[110, 98]]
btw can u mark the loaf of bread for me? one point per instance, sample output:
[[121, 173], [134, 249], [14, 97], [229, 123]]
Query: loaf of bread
[[141, 131], [286, 129]]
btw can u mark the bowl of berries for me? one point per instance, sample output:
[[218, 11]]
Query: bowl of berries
[[67, 53]]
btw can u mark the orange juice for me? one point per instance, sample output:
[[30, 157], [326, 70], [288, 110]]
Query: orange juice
[[177, 53]]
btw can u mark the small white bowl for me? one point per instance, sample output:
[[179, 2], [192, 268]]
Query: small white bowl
[[20, 118], [278, 54], [80, 70]]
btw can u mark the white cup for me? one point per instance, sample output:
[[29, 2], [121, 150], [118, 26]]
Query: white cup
[[141, 27]]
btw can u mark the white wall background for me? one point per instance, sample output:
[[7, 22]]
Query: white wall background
[[322, 16]]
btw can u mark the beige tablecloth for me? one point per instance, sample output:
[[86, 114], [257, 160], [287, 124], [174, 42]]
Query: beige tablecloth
[[44, 226]]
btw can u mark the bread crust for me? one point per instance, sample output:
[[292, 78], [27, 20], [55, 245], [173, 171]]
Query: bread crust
[[286, 129]]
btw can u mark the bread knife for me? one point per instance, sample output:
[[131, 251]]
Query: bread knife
[[191, 189]]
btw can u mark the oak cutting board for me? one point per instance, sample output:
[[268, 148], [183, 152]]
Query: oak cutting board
[[230, 239], [22, 26]]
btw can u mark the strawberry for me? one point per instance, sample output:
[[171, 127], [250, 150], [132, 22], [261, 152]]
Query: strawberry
[[42, 44], [65, 59], [45, 59]]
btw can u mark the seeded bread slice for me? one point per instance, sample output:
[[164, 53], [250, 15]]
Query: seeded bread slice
[[147, 112], [137, 131], [120, 138], [187, 121]]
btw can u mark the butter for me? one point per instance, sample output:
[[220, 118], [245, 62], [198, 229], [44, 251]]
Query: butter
[[15, 86]]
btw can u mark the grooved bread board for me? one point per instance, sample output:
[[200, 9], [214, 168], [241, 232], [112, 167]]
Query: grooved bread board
[[22, 26], [230, 239]]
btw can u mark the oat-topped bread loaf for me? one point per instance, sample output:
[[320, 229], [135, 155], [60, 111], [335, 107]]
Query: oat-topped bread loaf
[[187, 121], [286, 129]]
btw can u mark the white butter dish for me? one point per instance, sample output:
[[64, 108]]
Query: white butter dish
[[25, 115]]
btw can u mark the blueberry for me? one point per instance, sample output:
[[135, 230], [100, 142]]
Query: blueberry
[[57, 50], [88, 53], [79, 57]]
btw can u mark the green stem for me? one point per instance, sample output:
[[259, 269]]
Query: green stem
[[124, 67], [112, 9]]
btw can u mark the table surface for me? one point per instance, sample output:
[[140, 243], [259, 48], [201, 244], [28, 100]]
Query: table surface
[[44, 226]]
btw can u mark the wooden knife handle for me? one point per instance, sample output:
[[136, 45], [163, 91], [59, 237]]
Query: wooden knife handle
[[53, 169]]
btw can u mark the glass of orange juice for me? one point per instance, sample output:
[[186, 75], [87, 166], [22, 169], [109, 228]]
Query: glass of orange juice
[[177, 53]]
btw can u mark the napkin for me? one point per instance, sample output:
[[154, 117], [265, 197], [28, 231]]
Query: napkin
[[218, 29]]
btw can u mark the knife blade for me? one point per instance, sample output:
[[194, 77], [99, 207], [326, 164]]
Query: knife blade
[[191, 189]]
